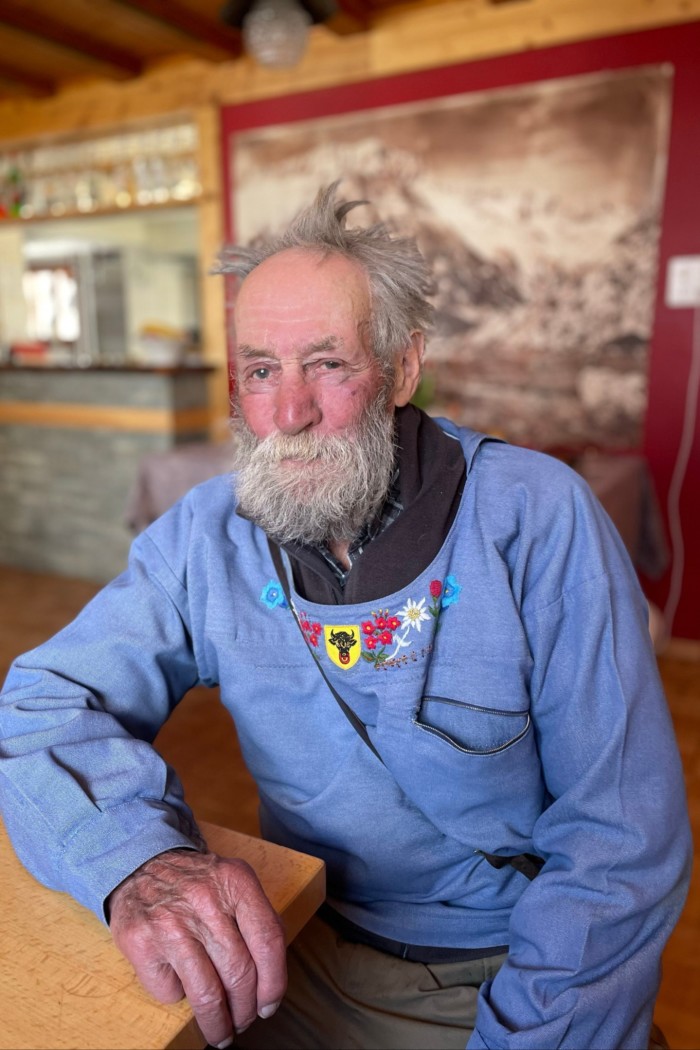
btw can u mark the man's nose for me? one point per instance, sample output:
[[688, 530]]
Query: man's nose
[[296, 407]]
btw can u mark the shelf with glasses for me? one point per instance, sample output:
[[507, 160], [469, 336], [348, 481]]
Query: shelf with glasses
[[109, 174], [101, 212]]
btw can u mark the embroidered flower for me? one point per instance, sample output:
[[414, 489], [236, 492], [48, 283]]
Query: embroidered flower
[[311, 631], [435, 592], [452, 592], [385, 636], [273, 596], [378, 632], [414, 613]]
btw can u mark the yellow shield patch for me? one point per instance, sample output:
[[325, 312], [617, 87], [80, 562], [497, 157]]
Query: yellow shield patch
[[343, 644]]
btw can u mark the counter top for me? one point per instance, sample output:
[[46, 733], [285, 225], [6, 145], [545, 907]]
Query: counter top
[[165, 370]]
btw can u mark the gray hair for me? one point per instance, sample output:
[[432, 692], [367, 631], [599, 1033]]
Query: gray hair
[[399, 277]]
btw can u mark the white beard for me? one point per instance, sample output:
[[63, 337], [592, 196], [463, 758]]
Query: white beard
[[333, 485]]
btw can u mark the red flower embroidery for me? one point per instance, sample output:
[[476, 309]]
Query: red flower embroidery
[[378, 634], [311, 631], [436, 588]]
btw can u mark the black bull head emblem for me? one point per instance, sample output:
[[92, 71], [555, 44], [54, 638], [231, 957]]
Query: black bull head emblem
[[343, 641]]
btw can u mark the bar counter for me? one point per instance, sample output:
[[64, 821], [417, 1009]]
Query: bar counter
[[71, 440]]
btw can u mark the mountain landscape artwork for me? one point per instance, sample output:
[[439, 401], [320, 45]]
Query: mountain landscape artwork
[[539, 209]]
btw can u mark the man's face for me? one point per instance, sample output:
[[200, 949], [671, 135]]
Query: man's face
[[303, 363], [314, 422]]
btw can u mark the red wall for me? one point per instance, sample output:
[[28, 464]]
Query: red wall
[[672, 338]]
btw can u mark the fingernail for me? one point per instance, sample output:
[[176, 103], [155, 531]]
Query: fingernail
[[268, 1011], [226, 1042]]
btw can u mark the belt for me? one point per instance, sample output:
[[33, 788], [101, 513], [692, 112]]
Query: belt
[[420, 953]]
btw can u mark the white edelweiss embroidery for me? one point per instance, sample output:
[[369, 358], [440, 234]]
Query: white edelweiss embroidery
[[413, 613]]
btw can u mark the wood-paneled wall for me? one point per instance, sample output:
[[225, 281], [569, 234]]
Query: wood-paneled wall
[[415, 36]]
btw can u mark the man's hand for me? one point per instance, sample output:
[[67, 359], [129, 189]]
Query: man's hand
[[199, 925]]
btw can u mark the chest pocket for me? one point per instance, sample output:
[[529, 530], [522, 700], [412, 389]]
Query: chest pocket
[[471, 729], [464, 751]]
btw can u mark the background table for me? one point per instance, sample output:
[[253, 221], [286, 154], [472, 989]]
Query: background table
[[624, 487], [64, 984]]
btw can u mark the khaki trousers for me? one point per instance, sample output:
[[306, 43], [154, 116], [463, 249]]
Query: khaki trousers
[[343, 995]]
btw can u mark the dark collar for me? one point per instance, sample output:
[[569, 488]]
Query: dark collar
[[431, 474]]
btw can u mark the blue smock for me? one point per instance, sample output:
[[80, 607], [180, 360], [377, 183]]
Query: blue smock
[[511, 690]]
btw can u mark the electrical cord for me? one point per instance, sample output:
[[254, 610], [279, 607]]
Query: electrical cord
[[680, 468]]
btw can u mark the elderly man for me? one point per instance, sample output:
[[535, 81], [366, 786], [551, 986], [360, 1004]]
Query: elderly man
[[455, 705]]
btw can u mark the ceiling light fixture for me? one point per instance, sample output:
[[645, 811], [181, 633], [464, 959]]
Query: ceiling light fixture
[[276, 32]]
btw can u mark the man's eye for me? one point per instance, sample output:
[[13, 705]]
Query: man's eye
[[260, 373], [330, 365]]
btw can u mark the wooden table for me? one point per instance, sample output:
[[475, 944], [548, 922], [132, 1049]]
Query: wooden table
[[63, 983]]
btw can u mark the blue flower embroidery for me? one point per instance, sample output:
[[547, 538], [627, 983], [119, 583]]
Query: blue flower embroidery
[[451, 592], [273, 596]]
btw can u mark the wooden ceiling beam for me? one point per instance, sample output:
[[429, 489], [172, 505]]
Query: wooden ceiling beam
[[20, 17], [193, 25], [352, 16], [36, 84]]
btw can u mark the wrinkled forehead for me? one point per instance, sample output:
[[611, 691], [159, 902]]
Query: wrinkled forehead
[[298, 287]]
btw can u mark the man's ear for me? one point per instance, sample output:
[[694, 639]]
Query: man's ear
[[408, 369]]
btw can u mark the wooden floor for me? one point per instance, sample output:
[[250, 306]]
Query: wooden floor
[[32, 607]]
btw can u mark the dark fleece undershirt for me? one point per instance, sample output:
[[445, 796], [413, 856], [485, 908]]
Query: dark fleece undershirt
[[432, 471]]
